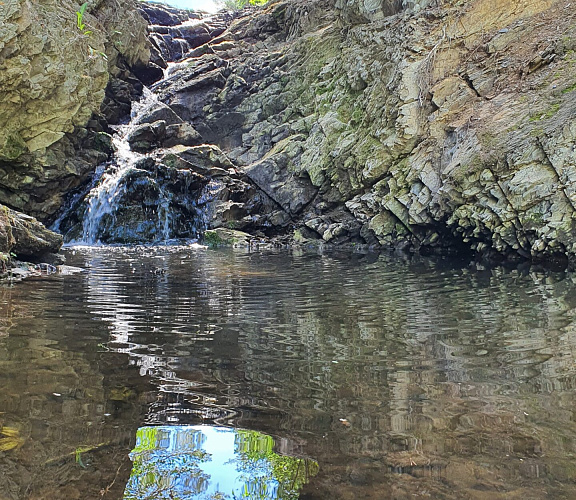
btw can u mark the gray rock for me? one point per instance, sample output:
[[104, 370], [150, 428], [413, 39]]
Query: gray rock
[[290, 191], [25, 236], [181, 134]]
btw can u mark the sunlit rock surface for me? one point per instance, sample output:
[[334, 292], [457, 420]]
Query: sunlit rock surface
[[24, 236], [415, 124], [430, 125], [54, 71]]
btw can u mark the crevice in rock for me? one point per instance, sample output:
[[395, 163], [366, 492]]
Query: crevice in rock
[[468, 81], [549, 163]]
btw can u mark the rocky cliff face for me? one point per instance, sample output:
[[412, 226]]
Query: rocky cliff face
[[425, 124], [53, 80]]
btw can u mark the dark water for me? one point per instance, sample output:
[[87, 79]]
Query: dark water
[[188, 373]]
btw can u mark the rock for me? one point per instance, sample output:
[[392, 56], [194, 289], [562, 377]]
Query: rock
[[25, 237], [181, 134], [222, 237], [158, 111], [175, 193], [150, 73], [202, 159], [160, 14], [408, 148], [7, 240], [291, 192], [357, 121], [147, 136], [153, 202], [53, 81]]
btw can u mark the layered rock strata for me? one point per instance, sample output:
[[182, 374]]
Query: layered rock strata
[[425, 124], [430, 125]]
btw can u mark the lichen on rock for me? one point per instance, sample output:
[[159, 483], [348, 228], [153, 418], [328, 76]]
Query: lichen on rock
[[431, 125], [23, 236], [418, 124]]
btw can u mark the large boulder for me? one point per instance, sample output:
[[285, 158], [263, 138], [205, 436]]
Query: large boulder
[[25, 237], [54, 71]]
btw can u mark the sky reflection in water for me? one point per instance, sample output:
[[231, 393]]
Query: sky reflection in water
[[212, 463]]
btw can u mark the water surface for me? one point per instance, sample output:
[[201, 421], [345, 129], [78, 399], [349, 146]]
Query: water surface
[[188, 373]]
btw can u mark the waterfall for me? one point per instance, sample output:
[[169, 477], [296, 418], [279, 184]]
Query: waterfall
[[102, 200], [163, 181]]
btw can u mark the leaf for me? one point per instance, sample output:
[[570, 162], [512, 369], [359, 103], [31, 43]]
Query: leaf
[[7, 444], [80, 16], [79, 22], [11, 440]]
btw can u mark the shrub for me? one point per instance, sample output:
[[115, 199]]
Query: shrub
[[239, 4]]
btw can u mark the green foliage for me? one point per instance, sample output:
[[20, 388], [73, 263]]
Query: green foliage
[[239, 4], [80, 19]]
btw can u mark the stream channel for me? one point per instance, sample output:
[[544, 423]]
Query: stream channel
[[190, 373]]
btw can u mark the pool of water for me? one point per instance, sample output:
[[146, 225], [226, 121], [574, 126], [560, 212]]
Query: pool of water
[[181, 372]]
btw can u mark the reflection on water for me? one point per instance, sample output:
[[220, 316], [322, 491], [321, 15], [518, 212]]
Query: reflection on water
[[401, 379], [205, 462]]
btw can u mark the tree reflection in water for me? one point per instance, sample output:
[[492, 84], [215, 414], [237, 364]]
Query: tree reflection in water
[[212, 463]]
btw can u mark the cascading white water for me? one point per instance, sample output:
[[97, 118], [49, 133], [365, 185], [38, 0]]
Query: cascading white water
[[102, 199]]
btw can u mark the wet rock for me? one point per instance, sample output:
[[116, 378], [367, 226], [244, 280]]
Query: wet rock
[[150, 73], [205, 159], [176, 192], [158, 111], [195, 35], [223, 237], [147, 136], [163, 15], [152, 204], [156, 57]]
